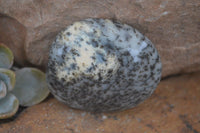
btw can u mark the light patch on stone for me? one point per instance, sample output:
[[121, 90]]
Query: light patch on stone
[[104, 66]]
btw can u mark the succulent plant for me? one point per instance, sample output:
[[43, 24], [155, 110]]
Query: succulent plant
[[6, 57], [25, 87]]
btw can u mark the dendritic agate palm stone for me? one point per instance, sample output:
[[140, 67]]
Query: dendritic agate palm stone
[[100, 65]]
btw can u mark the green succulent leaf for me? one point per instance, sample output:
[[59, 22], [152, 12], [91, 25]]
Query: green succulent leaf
[[31, 87], [6, 57], [8, 106], [3, 89], [8, 77]]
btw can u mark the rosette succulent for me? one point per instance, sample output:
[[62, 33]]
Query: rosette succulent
[[25, 87]]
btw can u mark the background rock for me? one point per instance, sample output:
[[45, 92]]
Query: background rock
[[173, 108], [13, 34], [173, 26]]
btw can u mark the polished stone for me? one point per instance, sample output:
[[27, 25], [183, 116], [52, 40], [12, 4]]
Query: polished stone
[[101, 65]]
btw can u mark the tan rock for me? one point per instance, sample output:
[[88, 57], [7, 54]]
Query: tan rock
[[13, 34], [173, 108], [173, 26]]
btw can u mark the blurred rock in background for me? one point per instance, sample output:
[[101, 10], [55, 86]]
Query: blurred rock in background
[[28, 27]]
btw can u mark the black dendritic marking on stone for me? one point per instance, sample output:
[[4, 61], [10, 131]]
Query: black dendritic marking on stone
[[101, 88]]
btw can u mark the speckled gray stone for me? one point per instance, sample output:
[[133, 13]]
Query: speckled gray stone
[[100, 65]]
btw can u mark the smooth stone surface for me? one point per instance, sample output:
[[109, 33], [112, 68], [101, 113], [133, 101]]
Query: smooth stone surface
[[173, 108], [100, 65], [13, 34]]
